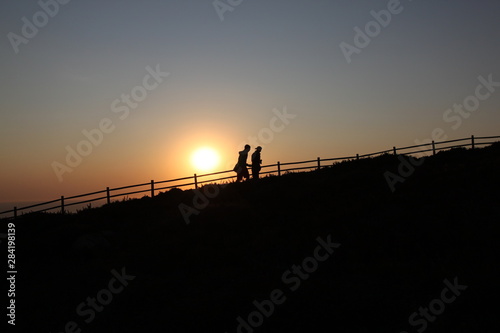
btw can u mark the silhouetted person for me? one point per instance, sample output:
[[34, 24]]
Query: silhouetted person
[[256, 162], [241, 166]]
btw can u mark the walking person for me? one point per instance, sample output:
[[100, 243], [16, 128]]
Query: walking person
[[241, 167], [256, 162]]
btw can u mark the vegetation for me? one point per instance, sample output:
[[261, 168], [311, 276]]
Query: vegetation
[[396, 250]]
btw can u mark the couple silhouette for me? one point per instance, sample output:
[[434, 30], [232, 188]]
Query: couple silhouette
[[241, 166]]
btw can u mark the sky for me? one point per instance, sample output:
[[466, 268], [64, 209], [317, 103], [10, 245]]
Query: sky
[[115, 93]]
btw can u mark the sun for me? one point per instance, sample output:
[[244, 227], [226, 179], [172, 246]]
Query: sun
[[205, 159]]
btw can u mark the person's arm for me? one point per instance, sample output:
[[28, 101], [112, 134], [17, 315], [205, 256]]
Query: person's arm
[[242, 159]]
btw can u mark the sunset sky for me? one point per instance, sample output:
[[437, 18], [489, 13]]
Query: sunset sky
[[214, 77]]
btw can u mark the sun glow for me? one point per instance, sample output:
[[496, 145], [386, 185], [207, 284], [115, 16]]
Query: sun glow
[[205, 159]]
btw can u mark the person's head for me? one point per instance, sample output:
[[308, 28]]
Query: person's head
[[259, 148], [247, 147]]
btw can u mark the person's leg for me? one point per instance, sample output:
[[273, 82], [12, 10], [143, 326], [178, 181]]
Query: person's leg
[[255, 173], [245, 173]]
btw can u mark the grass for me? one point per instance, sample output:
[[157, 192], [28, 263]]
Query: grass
[[396, 250]]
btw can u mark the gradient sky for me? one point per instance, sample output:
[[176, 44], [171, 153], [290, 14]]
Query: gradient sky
[[226, 78]]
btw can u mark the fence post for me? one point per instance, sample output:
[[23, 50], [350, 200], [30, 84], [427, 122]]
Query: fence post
[[195, 182], [357, 157], [394, 150], [15, 212], [62, 204], [472, 138], [319, 163], [152, 188], [108, 197], [433, 148], [279, 168]]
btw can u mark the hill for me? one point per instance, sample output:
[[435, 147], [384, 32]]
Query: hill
[[334, 248]]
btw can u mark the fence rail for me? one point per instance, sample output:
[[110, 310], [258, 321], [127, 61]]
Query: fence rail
[[433, 147]]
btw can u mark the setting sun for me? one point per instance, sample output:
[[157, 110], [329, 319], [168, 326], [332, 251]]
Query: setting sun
[[205, 159]]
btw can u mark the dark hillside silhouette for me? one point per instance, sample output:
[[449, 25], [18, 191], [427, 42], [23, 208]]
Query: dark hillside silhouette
[[396, 250]]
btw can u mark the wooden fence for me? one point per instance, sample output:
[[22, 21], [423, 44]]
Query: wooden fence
[[279, 168]]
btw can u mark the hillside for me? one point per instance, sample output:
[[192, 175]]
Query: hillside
[[391, 254]]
